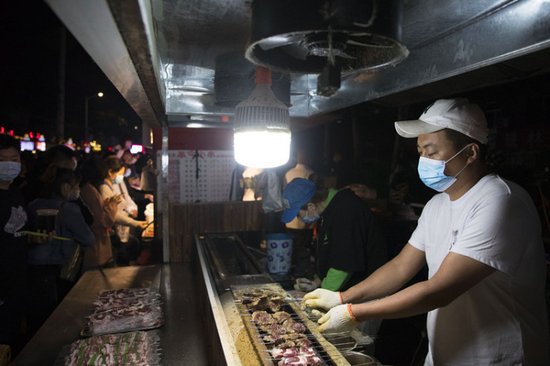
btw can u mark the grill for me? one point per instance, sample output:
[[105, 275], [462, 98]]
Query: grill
[[326, 352]]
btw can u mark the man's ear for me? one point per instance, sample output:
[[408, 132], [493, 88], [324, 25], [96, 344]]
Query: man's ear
[[473, 152]]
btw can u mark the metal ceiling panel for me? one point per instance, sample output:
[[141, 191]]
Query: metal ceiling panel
[[93, 25], [520, 28], [449, 42]]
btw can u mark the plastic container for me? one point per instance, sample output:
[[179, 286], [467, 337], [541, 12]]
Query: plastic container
[[149, 213], [357, 358], [279, 253], [46, 219]]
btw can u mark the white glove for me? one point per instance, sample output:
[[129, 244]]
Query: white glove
[[338, 320], [321, 298], [303, 284], [314, 314]]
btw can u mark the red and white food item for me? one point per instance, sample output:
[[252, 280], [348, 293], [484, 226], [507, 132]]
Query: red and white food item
[[125, 319], [137, 348], [125, 297], [286, 336], [262, 318], [262, 300], [294, 361], [281, 316], [273, 329], [292, 326], [287, 352], [297, 356], [124, 310]]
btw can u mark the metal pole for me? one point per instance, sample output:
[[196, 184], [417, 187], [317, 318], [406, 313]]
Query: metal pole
[[164, 195]]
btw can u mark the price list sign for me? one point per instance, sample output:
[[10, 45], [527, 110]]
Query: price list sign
[[198, 175]]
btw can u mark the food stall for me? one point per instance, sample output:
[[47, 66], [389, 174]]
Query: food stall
[[169, 60], [225, 276]]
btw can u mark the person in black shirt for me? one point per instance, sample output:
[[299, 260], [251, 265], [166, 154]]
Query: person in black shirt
[[13, 246], [350, 244]]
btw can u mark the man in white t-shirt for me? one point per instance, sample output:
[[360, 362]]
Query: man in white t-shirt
[[481, 239]]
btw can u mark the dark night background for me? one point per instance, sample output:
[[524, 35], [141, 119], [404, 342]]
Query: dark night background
[[29, 80]]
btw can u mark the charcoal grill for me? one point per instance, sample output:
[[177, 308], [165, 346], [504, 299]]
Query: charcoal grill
[[229, 271], [326, 351]]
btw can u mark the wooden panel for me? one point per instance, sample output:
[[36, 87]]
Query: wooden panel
[[213, 217]]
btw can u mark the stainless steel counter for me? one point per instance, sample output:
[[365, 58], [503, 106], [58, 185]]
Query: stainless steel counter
[[183, 338]]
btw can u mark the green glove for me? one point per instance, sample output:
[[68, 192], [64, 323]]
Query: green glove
[[338, 320], [321, 298]]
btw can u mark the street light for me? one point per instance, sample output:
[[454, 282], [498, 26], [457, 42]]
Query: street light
[[100, 95]]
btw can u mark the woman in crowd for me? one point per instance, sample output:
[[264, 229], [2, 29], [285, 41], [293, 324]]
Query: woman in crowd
[[113, 175], [104, 211], [45, 259]]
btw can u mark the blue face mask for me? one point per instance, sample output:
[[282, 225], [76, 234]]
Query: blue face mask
[[9, 170], [432, 173], [309, 220]]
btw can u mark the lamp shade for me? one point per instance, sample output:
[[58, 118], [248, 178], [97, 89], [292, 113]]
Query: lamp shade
[[262, 127]]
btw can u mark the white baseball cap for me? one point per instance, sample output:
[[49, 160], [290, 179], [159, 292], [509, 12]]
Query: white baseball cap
[[456, 114]]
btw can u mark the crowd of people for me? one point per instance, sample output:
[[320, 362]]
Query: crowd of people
[[63, 213]]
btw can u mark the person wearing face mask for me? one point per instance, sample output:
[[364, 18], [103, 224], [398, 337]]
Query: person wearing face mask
[[481, 240], [45, 259], [13, 247], [350, 244], [104, 211], [126, 246], [38, 181]]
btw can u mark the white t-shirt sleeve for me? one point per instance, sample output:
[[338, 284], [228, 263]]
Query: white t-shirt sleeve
[[492, 233]]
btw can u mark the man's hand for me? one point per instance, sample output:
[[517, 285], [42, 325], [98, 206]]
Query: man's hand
[[320, 298], [304, 284], [143, 224], [338, 320]]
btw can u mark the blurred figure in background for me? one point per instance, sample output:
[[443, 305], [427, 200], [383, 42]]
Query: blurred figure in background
[[131, 187], [124, 144], [350, 243], [249, 182], [37, 185], [126, 246], [130, 160], [339, 171], [45, 259], [13, 247], [302, 233], [104, 210], [149, 174]]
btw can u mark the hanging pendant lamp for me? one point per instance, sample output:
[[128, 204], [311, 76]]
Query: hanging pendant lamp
[[262, 126]]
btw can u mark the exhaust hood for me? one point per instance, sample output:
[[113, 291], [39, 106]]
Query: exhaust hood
[[161, 54]]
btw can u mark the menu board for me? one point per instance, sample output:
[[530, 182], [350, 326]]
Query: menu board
[[198, 175]]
